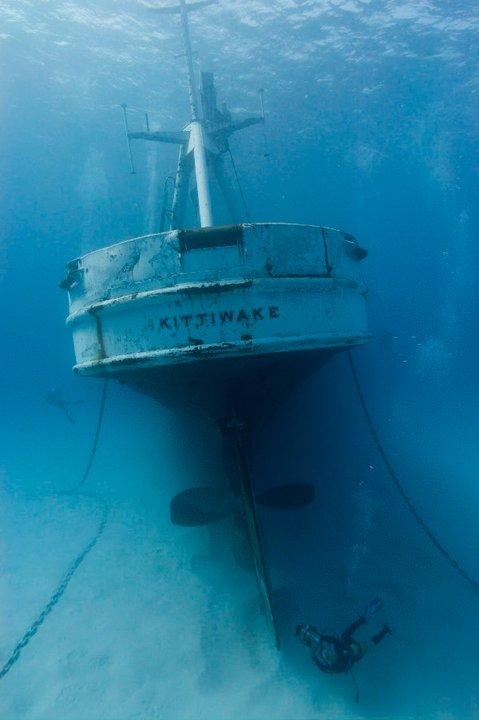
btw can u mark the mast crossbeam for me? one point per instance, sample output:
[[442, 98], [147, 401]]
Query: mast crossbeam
[[177, 9], [175, 138]]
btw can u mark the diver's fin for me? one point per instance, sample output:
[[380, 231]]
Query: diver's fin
[[292, 495], [200, 506], [373, 607], [385, 630]]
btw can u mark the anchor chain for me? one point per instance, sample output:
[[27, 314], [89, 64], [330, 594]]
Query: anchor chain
[[60, 590]]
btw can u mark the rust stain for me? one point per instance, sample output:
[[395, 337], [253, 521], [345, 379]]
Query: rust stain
[[99, 332]]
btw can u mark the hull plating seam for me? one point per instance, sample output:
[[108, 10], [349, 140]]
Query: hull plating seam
[[214, 352], [216, 287]]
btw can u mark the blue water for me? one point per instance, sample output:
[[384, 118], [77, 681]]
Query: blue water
[[372, 128]]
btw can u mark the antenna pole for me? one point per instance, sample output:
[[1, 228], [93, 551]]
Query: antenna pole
[[189, 60], [127, 136], [263, 116], [261, 99]]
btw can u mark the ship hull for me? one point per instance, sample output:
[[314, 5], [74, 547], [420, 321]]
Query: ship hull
[[246, 387], [213, 313], [225, 321]]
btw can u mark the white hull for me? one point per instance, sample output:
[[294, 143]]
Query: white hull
[[215, 294]]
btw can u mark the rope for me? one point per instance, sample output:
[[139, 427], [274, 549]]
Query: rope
[[94, 446], [60, 590], [399, 486], [356, 686], [238, 182]]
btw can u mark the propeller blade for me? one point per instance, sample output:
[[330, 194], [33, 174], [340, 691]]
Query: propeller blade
[[200, 506], [292, 495]]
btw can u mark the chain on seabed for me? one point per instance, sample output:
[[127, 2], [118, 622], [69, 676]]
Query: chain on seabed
[[60, 590]]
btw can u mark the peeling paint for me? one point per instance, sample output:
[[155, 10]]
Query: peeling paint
[[294, 288]]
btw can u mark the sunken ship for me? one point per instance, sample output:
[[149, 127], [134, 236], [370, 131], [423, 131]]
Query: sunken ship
[[220, 318]]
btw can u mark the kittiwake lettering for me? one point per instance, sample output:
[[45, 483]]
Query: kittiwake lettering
[[223, 317]]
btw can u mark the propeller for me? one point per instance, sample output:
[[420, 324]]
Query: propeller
[[199, 506]]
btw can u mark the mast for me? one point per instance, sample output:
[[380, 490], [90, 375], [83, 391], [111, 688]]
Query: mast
[[204, 140], [189, 61], [197, 136]]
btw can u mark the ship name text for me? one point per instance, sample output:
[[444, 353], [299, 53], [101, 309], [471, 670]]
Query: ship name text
[[222, 317]]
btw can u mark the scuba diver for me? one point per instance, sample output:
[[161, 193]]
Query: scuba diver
[[337, 654], [56, 399]]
